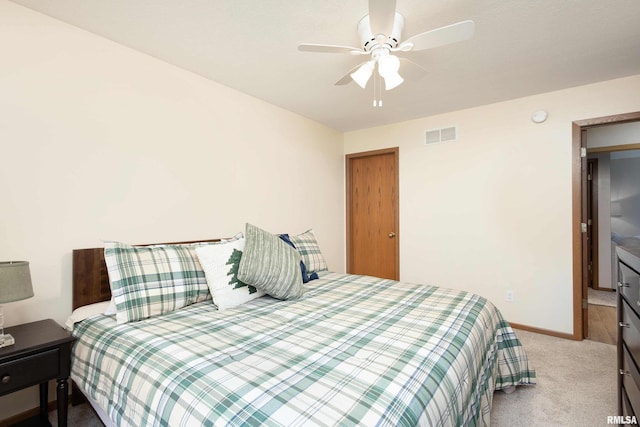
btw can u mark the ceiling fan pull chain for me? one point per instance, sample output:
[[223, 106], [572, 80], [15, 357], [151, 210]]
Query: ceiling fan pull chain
[[375, 93], [375, 102], [377, 90]]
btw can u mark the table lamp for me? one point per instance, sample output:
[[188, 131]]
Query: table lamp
[[15, 285]]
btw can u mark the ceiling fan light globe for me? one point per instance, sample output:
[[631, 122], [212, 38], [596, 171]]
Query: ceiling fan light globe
[[388, 65], [362, 75], [392, 81]]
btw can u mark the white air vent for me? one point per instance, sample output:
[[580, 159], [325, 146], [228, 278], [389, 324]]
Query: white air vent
[[434, 136]]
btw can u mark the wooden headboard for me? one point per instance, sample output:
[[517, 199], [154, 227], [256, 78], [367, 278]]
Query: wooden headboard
[[90, 278]]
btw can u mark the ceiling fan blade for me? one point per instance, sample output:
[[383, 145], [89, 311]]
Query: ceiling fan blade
[[440, 36], [327, 48], [410, 70], [346, 79], [382, 14]]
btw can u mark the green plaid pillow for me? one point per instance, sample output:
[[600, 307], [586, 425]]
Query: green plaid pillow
[[307, 245], [150, 280]]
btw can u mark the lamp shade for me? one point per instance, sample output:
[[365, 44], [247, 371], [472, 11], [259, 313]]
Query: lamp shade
[[15, 281], [388, 65], [392, 81], [362, 75]]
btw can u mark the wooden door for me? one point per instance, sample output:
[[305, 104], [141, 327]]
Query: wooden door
[[372, 213]]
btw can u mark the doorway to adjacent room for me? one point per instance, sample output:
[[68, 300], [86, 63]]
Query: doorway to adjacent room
[[583, 240]]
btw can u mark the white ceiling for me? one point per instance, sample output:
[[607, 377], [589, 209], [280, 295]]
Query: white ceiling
[[520, 48]]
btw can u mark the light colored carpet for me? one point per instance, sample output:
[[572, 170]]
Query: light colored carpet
[[80, 415], [607, 298], [576, 386]]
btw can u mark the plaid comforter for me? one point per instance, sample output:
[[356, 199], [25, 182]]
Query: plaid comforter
[[355, 350]]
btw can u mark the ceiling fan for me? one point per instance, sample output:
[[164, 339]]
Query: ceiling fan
[[380, 34]]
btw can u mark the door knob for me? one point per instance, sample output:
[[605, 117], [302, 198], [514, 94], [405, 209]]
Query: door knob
[[392, 235]]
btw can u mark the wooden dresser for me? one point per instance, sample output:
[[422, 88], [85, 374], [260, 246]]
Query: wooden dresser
[[628, 331]]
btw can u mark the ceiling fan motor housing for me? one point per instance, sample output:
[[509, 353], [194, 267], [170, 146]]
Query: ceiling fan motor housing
[[369, 41]]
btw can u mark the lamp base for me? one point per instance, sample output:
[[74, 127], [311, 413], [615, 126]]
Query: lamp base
[[6, 340]]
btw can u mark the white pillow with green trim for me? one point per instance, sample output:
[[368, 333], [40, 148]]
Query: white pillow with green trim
[[220, 263]]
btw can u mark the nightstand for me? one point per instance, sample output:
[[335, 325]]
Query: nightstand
[[42, 352]]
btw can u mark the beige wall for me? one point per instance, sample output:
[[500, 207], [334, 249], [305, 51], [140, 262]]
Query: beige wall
[[491, 212], [98, 141], [95, 136]]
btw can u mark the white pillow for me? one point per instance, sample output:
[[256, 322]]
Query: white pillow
[[112, 310], [84, 312], [220, 264]]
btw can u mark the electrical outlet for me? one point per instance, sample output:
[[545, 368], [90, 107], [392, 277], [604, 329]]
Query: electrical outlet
[[509, 296]]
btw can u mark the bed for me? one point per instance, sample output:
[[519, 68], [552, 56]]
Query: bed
[[352, 350]]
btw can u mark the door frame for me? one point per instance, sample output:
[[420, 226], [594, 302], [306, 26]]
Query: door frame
[[348, 165], [592, 227], [578, 206]]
